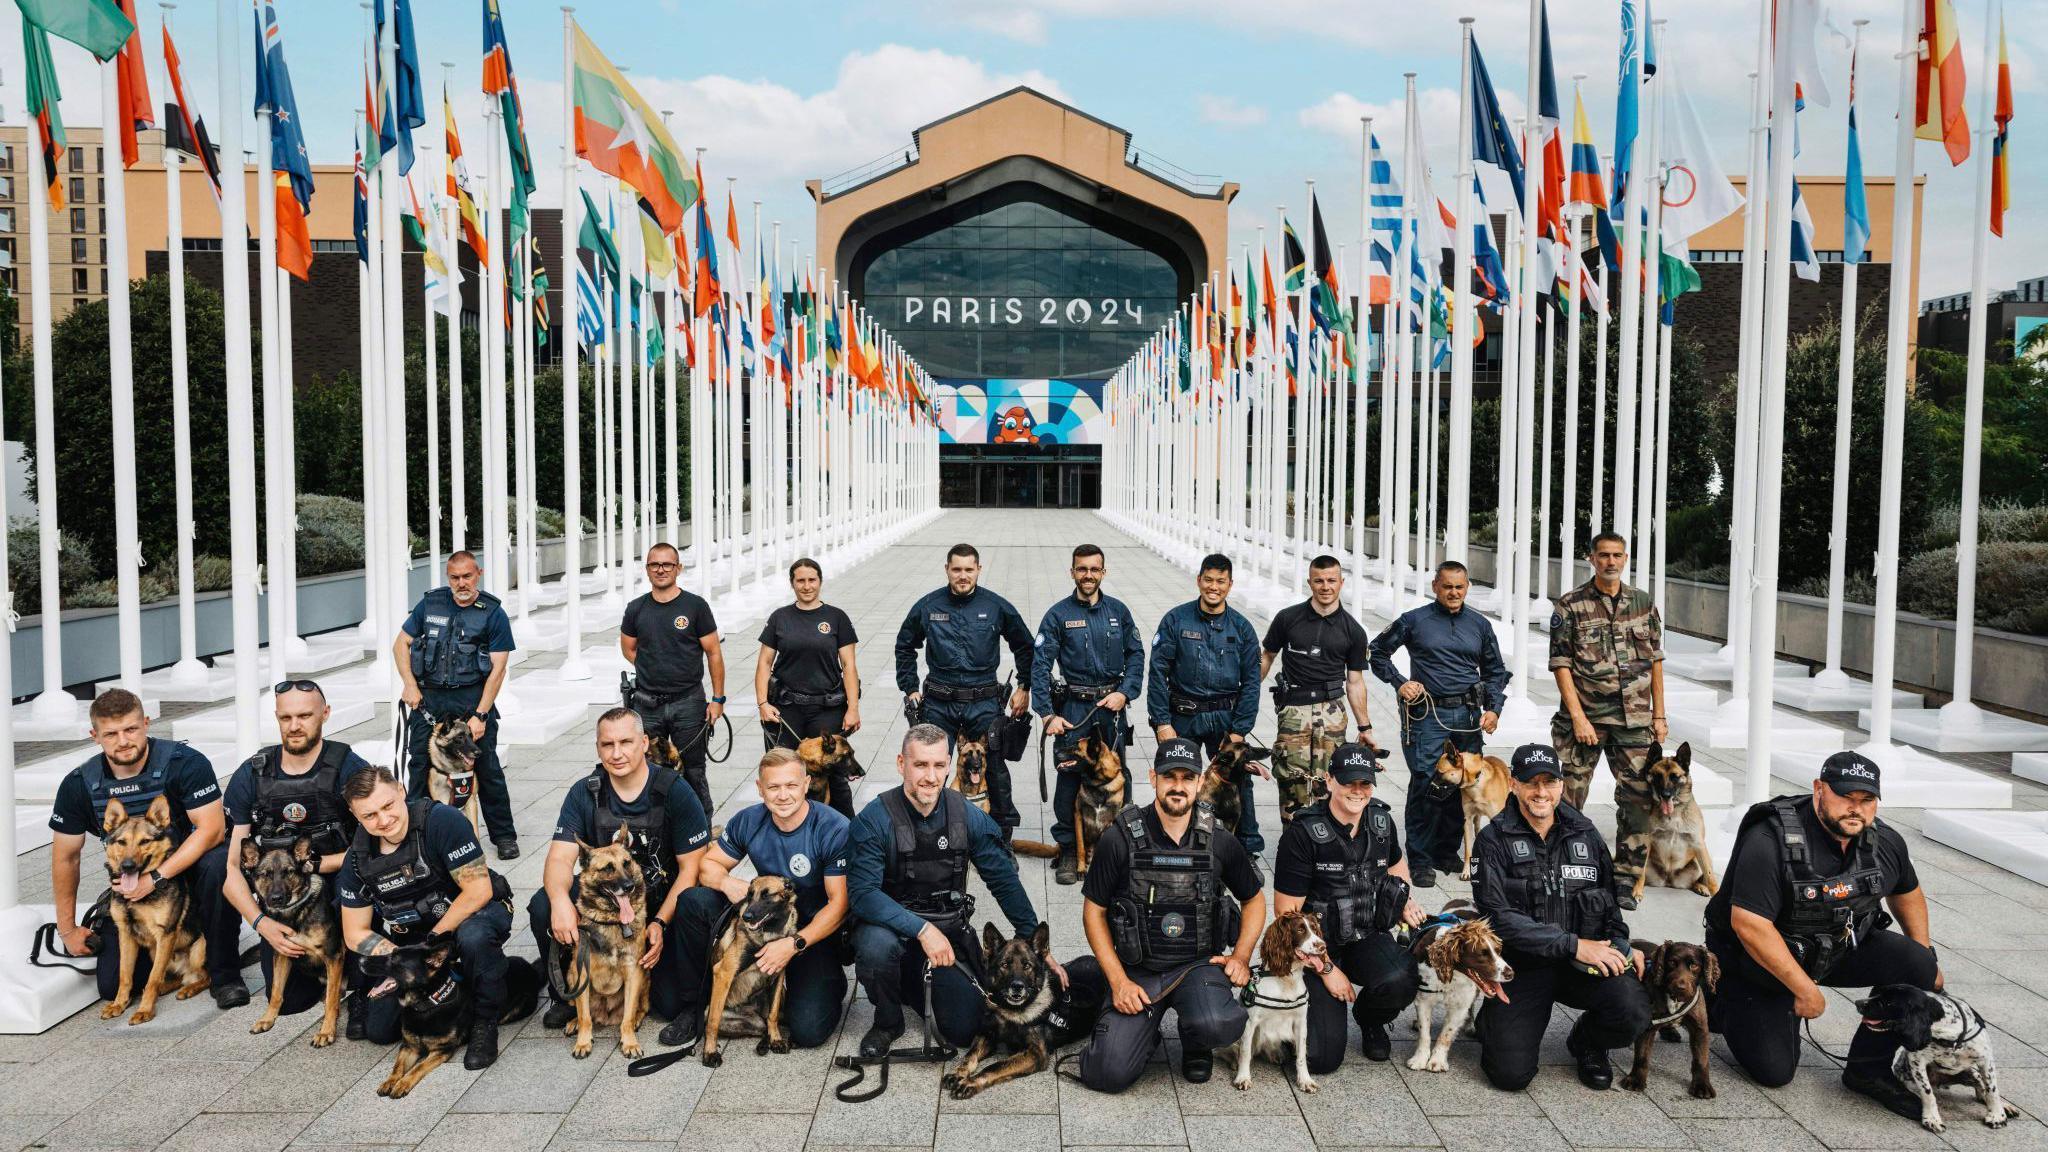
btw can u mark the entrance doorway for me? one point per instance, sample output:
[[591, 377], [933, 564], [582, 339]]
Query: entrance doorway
[[1037, 482]]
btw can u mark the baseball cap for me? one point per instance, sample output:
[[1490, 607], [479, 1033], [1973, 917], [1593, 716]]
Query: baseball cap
[[1353, 764], [1178, 755], [1533, 760], [1847, 772]]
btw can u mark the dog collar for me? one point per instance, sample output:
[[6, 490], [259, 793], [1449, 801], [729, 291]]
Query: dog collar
[[441, 995], [1681, 1014], [1250, 997]]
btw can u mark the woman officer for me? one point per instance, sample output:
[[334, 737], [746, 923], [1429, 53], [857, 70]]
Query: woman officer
[[806, 679]]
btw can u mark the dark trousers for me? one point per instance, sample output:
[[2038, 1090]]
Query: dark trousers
[[891, 969], [1753, 1011], [1615, 1010], [1435, 830], [1210, 728], [1383, 973], [664, 981], [1066, 786], [801, 722], [218, 922], [480, 950], [972, 719], [1205, 1003], [493, 798], [680, 718], [814, 995]]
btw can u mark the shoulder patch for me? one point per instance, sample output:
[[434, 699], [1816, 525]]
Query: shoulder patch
[[1556, 621], [1521, 849], [1319, 831]]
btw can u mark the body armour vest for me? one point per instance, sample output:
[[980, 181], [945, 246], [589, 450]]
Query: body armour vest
[[1823, 917], [926, 870], [137, 792], [288, 807], [1559, 883], [1351, 892], [451, 650], [409, 890], [1173, 909], [650, 845]]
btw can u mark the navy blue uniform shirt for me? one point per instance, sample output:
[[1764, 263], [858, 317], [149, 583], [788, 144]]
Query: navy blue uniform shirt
[[688, 830], [813, 850], [1196, 654], [1093, 644], [963, 638], [872, 836], [188, 783], [1448, 652]]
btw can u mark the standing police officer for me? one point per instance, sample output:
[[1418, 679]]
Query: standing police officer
[[1323, 653], [451, 654], [290, 790], [966, 626], [1607, 652], [1095, 642], [1453, 695], [908, 882], [1204, 682], [669, 637], [1800, 906], [1165, 930], [1545, 879], [1341, 859]]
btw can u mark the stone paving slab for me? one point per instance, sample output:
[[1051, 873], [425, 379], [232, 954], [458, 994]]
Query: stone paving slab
[[195, 1079]]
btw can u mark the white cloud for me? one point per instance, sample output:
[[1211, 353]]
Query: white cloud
[[1338, 115], [1228, 112]]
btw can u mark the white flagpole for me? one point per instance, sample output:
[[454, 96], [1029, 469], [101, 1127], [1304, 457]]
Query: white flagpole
[[1568, 524], [1297, 486], [458, 473], [1458, 452], [1397, 566], [1515, 609], [1597, 489], [1663, 463], [53, 705], [573, 666], [395, 488], [234, 217], [1361, 397], [275, 541], [121, 362], [1631, 320], [632, 365], [491, 402], [372, 632], [734, 399], [288, 572], [1831, 674], [430, 326], [1545, 528], [1648, 449], [188, 669]]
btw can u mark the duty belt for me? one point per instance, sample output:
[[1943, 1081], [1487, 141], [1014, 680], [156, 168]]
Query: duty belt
[[1296, 694], [809, 700], [1191, 705], [1473, 697], [957, 694], [1088, 693]]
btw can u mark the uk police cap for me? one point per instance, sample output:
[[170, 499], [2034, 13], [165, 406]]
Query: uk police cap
[[1178, 755], [1849, 772], [1533, 760], [1353, 764]]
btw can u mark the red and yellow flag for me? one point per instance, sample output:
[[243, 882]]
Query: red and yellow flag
[[1938, 85], [2001, 189]]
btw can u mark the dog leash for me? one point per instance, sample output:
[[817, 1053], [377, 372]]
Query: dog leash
[[924, 1053], [1087, 716], [1059, 1065], [558, 980], [703, 736], [1410, 716]]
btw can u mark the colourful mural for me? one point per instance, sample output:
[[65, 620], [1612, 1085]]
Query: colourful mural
[[1020, 412]]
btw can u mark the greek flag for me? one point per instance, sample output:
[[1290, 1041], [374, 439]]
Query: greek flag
[[589, 310]]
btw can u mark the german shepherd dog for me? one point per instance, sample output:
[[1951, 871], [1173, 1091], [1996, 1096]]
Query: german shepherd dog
[[1482, 783], [166, 921], [1220, 784], [1102, 794], [744, 1000], [1675, 852], [290, 890], [451, 759], [434, 1005], [611, 935], [1680, 976], [1027, 1012], [828, 760], [970, 769]]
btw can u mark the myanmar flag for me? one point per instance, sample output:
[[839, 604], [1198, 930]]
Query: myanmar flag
[[622, 136]]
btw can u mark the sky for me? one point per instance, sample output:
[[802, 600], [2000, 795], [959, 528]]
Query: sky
[[1266, 93]]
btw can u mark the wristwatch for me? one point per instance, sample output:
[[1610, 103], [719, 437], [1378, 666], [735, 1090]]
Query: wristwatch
[[718, 699], [155, 877], [480, 716], [801, 943]]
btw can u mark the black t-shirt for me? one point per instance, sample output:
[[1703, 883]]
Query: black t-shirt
[[1109, 868], [807, 645], [688, 829], [1755, 880], [1317, 649], [670, 656], [1294, 865]]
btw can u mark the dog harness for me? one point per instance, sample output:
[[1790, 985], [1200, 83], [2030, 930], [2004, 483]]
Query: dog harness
[[288, 807], [407, 888], [1350, 891], [1173, 909], [1823, 917], [926, 868], [1251, 997], [650, 844]]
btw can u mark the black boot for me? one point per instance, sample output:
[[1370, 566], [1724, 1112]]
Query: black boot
[[558, 1015], [1594, 1070], [358, 1016], [878, 1038], [231, 993], [1884, 1088], [1065, 870], [483, 1047], [1197, 1065], [685, 1030], [508, 848], [1374, 1043], [1626, 897], [1422, 878]]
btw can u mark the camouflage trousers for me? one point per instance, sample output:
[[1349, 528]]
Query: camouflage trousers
[[1628, 756], [1309, 735]]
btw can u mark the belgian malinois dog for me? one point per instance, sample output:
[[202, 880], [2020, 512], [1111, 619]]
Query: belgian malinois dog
[[451, 759], [166, 921], [435, 1009], [1028, 1012], [611, 935], [828, 760], [1220, 784], [290, 890], [1675, 852], [744, 1000], [1102, 794], [1482, 784]]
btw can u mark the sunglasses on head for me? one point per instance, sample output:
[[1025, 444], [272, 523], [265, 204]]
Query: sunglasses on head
[[284, 686]]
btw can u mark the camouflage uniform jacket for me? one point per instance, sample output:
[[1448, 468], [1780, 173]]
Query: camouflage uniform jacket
[[1609, 643]]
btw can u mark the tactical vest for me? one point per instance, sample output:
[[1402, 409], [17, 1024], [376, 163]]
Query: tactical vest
[[1562, 886], [1823, 918], [137, 792], [288, 807], [1350, 891], [1173, 909], [926, 869], [452, 650], [409, 889], [650, 844]]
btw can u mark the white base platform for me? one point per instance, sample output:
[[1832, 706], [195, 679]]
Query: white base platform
[[1943, 730], [1723, 728], [32, 999], [31, 827], [1846, 695], [198, 685], [600, 687], [1912, 779], [2014, 841], [538, 631], [1710, 789], [28, 727], [2031, 765], [218, 726], [1713, 667], [537, 718], [311, 656]]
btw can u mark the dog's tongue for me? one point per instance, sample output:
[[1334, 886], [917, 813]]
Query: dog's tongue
[[625, 908], [1665, 807], [127, 884], [1497, 991]]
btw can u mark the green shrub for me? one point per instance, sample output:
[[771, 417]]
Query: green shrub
[[1996, 520], [2012, 585], [24, 568], [330, 535]]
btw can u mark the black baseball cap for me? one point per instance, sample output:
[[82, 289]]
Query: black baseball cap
[[1178, 755], [1533, 760], [1847, 772], [1353, 764]]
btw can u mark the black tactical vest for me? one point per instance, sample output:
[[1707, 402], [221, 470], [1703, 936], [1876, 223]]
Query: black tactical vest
[[288, 807], [652, 848], [1823, 917], [1558, 881], [407, 886], [1348, 892], [137, 792], [1173, 909], [452, 650], [926, 869]]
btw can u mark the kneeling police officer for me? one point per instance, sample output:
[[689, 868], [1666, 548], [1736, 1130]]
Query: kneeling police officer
[[1800, 906], [1546, 880], [1165, 930], [1340, 858]]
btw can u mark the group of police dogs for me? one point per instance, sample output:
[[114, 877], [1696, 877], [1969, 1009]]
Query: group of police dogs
[[1458, 956]]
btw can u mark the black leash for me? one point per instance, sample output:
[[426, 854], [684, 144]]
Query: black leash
[[924, 1053], [703, 736], [45, 940], [559, 985]]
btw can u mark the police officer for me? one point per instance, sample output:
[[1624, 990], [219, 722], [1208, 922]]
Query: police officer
[[138, 770], [1101, 654], [1163, 919], [1607, 652], [1546, 881], [668, 831], [807, 677], [908, 883], [1801, 906], [1452, 695], [1340, 858], [669, 636], [1204, 681], [288, 791], [1323, 652], [451, 654], [415, 871], [789, 835], [966, 626]]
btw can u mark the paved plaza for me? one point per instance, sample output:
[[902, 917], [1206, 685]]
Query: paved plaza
[[195, 1079]]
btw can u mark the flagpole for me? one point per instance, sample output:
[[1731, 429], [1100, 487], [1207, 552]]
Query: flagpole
[[1297, 486], [573, 666], [241, 416], [53, 705], [430, 226], [1663, 463], [1598, 488], [1396, 565], [1568, 523], [1458, 457], [1831, 674], [1630, 354], [734, 382], [121, 362], [1651, 169], [395, 488], [491, 401], [188, 670], [1515, 609], [370, 397], [449, 221], [1544, 528], [275, 541], [522, 427]]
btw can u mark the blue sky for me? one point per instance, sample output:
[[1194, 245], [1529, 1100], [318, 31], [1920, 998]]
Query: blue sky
[[1265, 93]]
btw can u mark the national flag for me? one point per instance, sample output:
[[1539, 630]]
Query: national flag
[[1492, 140], [2001, 190], [732, 223], [1292, 258], [132, 90], [596, 237], [1855, 206], [589, 309], [362, 204], [1805, 261], [1697, 192], [660, 262], [708, 290], [1251, 308], [458, 187], [419, 228], [100, 27], [501, 83], [404, 108], [44, 98], [1626, 114], [1489, 275], [1807, 76], [185, 130], [1586, 186], [621, 136], [542, 320], [1383, 219], [291, 169], [1272, 298], [1325, 301], [1938, 83]]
